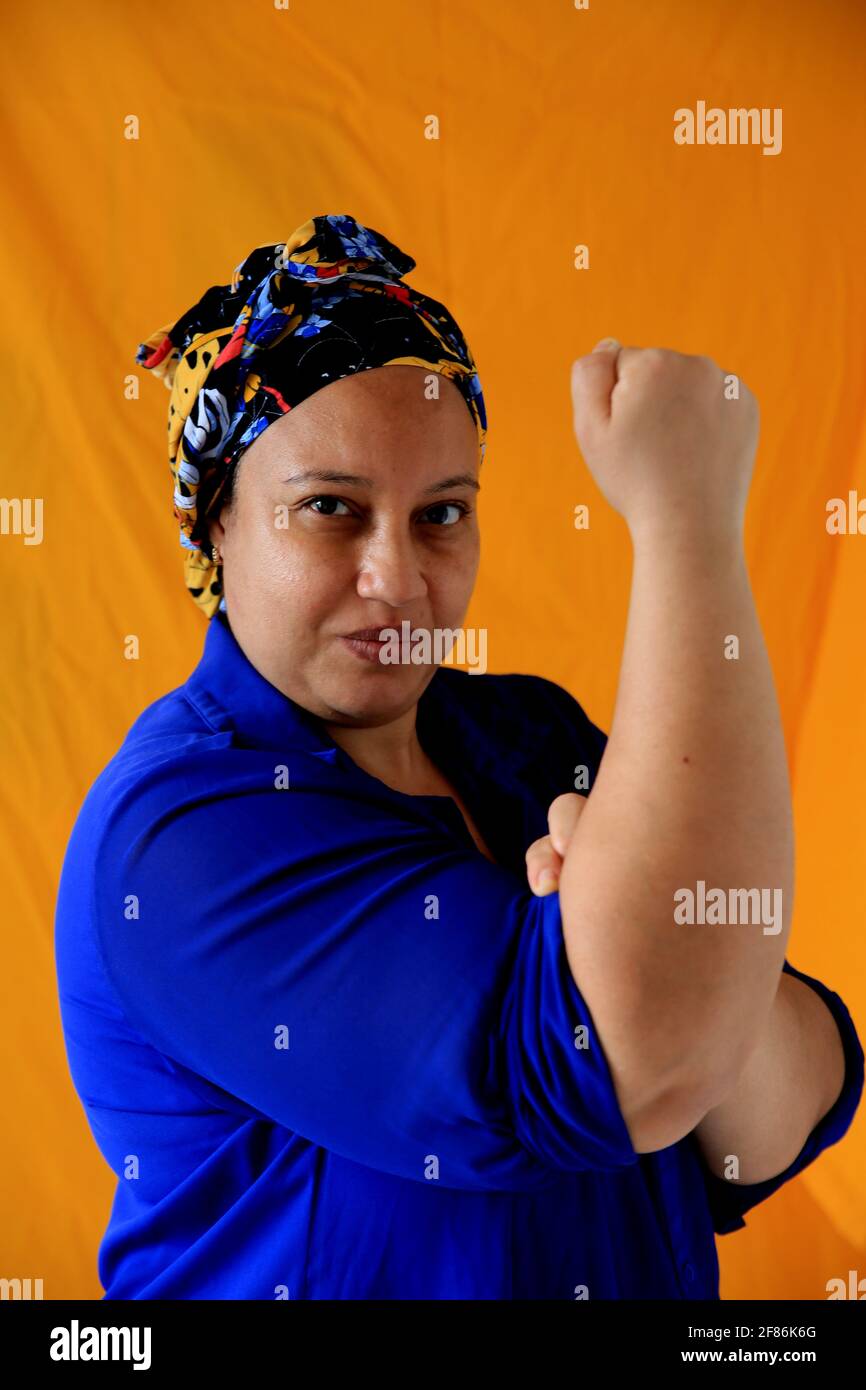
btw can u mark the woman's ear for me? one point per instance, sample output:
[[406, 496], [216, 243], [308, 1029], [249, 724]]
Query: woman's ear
[[216, 534]]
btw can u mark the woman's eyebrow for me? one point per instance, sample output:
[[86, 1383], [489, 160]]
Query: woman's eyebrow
[[457, 480], [324, 475]]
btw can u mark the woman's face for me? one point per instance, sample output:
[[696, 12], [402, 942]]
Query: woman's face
[[307, 560]]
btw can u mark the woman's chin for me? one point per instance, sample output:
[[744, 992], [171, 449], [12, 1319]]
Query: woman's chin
[[377, 698]]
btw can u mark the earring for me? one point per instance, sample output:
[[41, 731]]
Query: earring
[[216, 558]]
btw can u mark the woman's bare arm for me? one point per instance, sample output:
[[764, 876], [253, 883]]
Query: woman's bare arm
[[693, 787], [790, 1081]]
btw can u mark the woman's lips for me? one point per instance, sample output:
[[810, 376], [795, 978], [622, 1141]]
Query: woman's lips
[[368, 649], [367, 644]]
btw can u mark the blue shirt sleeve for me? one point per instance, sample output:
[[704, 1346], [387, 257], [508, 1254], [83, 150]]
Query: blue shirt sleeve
[[347, 968], [729, 1201]]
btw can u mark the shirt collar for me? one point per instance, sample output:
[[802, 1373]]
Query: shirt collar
[[485, 746], [232, 694]]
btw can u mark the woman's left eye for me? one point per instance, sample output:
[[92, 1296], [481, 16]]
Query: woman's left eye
[[329, 499], [448, 506]]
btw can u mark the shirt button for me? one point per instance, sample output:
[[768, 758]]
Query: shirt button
[[689, 1273]]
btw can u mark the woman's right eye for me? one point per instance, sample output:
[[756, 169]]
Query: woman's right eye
[[328, 498]]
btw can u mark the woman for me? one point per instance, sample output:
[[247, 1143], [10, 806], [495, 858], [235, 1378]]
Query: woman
[[331, 1039]]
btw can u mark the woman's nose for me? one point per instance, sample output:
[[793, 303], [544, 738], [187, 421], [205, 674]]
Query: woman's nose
[[390, 571]]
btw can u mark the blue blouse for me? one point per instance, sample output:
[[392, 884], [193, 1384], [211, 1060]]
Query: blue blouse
[[328, 1047]]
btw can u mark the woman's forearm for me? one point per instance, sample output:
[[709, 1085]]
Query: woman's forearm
[[693, 789]]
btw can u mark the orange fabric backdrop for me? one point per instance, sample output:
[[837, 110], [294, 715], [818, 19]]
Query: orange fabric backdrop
[[555, 129]]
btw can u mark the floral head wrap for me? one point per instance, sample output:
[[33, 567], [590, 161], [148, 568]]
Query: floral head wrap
[[297, 315]]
